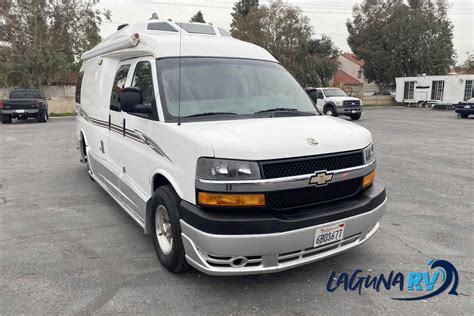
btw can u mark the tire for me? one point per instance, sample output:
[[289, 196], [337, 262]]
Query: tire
[[330, 110], [40, 117], [166, 230], [355, 117], [89, 170], [7, 119], [464, 115]]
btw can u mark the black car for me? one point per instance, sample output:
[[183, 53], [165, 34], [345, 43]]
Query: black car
[[464, 109], [23, 104]]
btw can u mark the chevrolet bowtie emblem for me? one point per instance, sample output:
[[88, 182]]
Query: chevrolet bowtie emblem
[[321, 178], [312, 141]]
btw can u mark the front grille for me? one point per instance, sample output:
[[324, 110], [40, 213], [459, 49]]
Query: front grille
[[280, 200], [300, 166], [351, 104]]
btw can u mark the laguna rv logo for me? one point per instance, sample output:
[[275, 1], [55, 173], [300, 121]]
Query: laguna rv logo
[[442, 276]]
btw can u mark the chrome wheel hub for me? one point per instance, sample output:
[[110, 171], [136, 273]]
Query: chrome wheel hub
[[163, 230]]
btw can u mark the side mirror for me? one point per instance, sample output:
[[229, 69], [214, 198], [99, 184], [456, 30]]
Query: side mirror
[[131, 101]]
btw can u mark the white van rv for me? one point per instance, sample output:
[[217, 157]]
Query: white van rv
[[215, 150]]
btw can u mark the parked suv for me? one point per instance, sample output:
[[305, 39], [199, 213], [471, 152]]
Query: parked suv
[[334, 102], [23, 104], [212, 147]]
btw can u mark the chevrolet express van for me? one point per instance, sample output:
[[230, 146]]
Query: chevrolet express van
[[214, 149]]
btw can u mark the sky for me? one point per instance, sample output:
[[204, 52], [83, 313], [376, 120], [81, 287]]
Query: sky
[[326, 16]]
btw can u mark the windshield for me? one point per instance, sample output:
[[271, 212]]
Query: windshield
[[25, 94], [334, 93], [228, 86]]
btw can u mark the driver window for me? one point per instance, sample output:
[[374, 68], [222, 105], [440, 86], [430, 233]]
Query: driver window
[[143, 79], [319, 94]]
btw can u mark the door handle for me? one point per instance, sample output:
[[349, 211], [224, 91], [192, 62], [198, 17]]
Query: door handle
[[123, 127]]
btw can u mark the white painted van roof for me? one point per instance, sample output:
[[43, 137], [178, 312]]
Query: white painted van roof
[[163, 44]]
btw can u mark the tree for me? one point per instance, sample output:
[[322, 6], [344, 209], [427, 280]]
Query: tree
[[468, 66], [198, 17], [243, 7], [396, 39], [280, 28], [286, 33], [45, 39], [240, 10], [321, 63]]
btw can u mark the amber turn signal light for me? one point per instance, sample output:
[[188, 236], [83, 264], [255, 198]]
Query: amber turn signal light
[[368, 179], [225, 199]]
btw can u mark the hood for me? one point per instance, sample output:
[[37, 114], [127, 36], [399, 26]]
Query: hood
[[282, 137], [342, 99]]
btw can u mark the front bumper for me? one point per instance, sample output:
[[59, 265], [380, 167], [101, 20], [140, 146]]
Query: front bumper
[[341, 110], [242, 252]]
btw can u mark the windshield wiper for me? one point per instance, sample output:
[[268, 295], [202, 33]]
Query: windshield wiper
[[284, 110], [211, 113]]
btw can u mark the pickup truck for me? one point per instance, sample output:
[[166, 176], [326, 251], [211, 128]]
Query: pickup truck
[[23, 104], [334, 102]]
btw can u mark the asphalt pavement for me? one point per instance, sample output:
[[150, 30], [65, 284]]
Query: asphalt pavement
[[67, 248]]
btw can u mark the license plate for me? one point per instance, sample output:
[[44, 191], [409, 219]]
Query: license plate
[[353, 111], [467, 106], [20, 111], [329, 234]]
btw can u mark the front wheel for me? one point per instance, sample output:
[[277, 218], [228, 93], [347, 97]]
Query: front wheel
[[7, 119], [355, 117], [167, 230], [464, 115], [330, 110], [41, 117]]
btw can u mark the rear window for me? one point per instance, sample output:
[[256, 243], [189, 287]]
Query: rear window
[[197, 28], [79, 86], [25, 94], [161, 26]]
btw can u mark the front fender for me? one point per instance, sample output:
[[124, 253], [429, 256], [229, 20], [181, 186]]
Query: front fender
[[148, 210]]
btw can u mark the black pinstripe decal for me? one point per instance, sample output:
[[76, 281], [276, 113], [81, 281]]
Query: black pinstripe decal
[[135, 135]]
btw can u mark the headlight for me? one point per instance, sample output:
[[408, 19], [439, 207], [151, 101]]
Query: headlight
[[221, 169], [369, 155], [339, 102]]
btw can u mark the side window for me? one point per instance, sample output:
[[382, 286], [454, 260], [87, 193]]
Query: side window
[[409, 90], [319, 94], [468, 90], [314, 95], [143, 79], [79, 87], [119, 84]]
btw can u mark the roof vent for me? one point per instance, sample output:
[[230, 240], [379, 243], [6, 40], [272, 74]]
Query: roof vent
[[161, 26], [197, 28]]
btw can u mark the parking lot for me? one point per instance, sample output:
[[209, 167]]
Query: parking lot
[[67, 247]]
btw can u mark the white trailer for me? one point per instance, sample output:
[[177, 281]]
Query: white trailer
[[434, 89]]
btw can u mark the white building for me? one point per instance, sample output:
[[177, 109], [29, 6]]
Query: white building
[[434, 89]]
